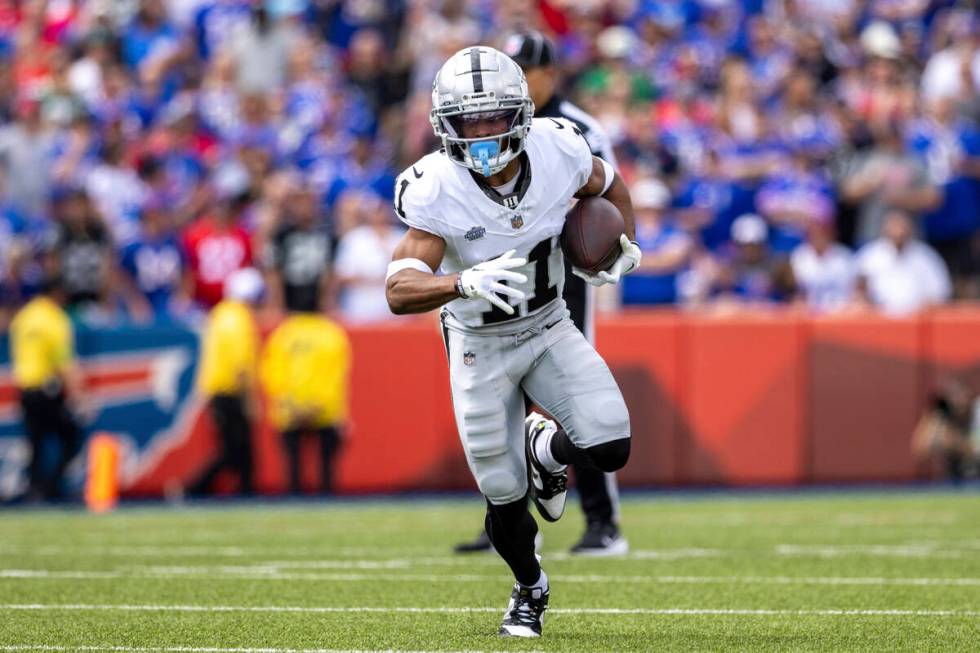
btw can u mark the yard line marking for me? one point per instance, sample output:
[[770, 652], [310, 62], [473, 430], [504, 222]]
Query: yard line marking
[[885, 612], [259, 573], [896, 550], [308, 557], [57, 573], [772, 580], [254, 576], [362, 553], [209, 649]]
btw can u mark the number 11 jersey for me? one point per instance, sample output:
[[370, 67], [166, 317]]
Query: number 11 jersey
[[477, 223]]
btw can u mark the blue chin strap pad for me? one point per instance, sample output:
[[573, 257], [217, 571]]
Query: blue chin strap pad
[[483, 150]]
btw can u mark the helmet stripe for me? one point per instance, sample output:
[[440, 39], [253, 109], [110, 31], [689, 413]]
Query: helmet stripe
[[476, 69]]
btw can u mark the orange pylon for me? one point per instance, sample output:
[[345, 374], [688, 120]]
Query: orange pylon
[[102, 480]]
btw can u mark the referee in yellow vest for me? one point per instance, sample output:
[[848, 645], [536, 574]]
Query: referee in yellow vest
[[48, 377], [305, 371], [227, 378]]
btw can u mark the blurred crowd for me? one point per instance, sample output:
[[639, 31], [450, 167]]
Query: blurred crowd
[[820, 152]]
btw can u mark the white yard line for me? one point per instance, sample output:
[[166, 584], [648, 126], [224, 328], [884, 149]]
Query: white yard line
[[263, 573], [311, 558], [888, 550], [463, 610], [217, 550], [206, 649]]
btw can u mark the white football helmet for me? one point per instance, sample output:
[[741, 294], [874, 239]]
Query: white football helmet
[[479, 83]]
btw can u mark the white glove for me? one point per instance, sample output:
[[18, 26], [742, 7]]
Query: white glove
[[482, 281], [628, 261]]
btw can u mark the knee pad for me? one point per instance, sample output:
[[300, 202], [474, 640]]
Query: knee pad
[[609, 456], [498, 484]]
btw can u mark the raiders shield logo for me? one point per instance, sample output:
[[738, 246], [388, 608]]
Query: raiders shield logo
[[469, 359], [516, 222]]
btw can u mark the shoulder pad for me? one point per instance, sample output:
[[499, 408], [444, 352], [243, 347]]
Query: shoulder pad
[[418, 185], [563, 132]]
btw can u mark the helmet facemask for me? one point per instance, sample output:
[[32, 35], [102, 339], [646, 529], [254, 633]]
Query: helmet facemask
[[487, 154]]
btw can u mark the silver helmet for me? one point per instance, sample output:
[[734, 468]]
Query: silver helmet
[[480, 83]]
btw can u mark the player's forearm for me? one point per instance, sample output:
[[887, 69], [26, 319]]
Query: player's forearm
[[619, 195], [412, 291]]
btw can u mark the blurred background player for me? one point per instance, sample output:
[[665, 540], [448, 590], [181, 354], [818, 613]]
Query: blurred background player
[[226, 377], [305, 372], [48, 378], [597, 490]]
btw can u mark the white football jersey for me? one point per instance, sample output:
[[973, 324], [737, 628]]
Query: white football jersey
[[443, 198]]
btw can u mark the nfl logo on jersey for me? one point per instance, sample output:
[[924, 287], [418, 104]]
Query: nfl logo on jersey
[[469, 359], [517, 222]]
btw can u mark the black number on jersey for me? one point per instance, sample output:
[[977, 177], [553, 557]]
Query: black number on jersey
[[544, 289], [401, 193]]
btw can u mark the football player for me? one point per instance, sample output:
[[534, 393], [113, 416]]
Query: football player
[[597, 490], [487, 210]]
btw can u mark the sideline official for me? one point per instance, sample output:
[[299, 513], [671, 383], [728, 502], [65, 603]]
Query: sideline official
[[227, 378], [305, 372], [48, 378]]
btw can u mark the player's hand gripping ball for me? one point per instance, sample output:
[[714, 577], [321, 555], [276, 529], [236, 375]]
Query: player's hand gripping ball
[[594, 241]]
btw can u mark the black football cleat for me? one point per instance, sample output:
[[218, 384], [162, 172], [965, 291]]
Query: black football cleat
[[479, 545], [525, 612], [547, 489], [601, 539]]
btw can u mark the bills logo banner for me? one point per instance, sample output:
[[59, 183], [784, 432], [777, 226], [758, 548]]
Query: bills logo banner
[[140, 386]]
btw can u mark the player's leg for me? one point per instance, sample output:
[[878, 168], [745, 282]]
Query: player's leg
[[291, 443], [599, 497], [489, 409], [70, 437], [220, 418], [329, 444], [237, 439], [35, 425], [573, 383]]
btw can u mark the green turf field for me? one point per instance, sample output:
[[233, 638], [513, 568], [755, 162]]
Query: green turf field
[[841, 572]]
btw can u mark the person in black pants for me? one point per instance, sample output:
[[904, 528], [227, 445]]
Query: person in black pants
[[226, 376], [597, 490], [329, 439], [48, 377], [235, 431], [46, 414]]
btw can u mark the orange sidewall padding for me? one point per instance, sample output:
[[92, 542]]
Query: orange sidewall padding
[[763, 399]]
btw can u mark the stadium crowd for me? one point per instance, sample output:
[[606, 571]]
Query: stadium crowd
[[819, 152]]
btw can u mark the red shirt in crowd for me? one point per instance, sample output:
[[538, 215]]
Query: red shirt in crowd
[[214, 251]]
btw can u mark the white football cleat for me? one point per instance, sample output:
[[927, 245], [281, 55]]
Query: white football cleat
[[547, 489], [525, 612]]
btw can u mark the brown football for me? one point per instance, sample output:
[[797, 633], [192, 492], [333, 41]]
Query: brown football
[[590, 238]]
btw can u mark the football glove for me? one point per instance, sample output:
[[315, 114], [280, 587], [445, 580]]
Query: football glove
[[483, 281], [628, 261]]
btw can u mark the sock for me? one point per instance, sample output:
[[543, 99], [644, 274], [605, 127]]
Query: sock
[[511, 529], [542, 449], [542, 583], [562, 450]]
